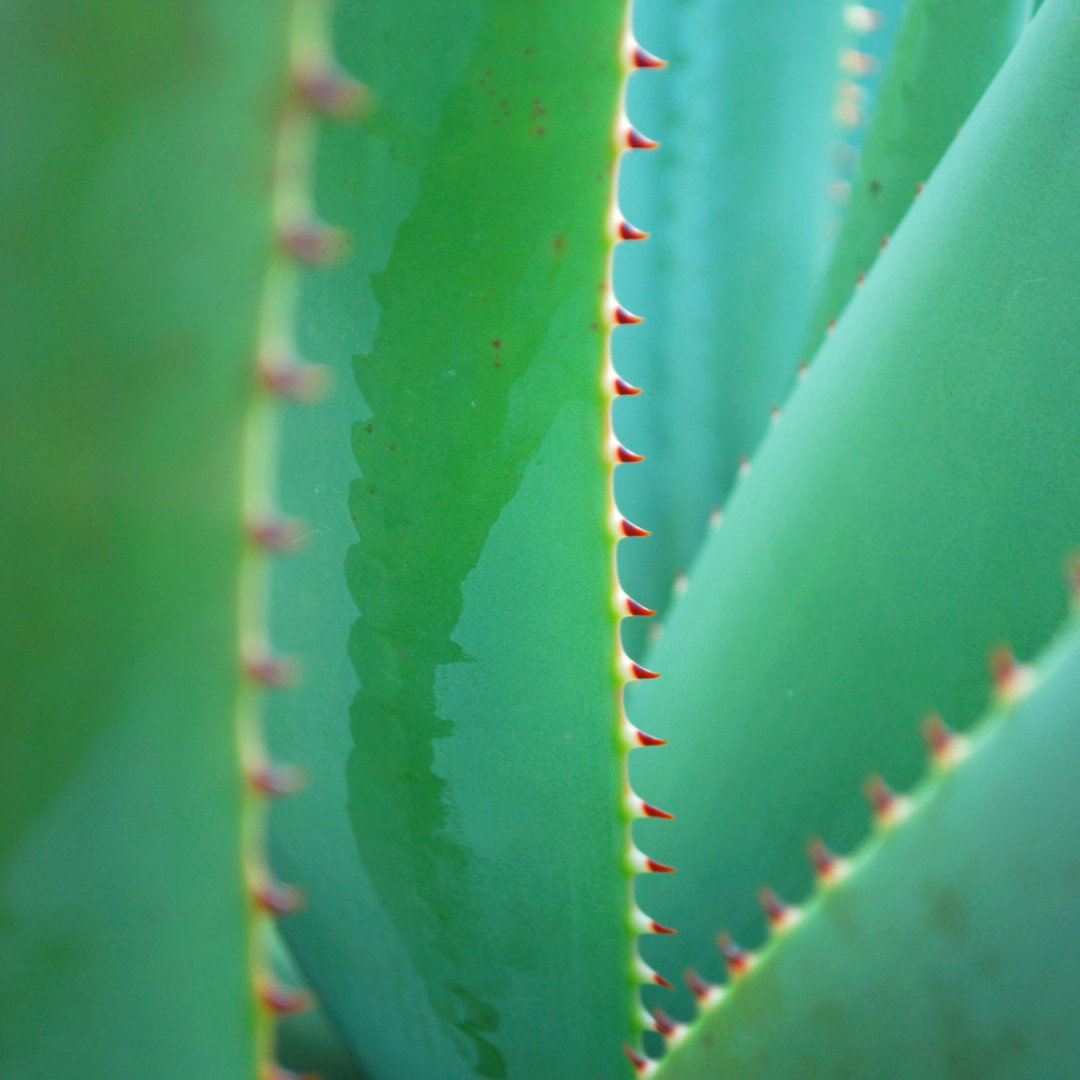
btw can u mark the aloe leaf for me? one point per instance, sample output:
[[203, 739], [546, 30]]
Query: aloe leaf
[[946, 53], [912, 508], [946, 950], [136, 144], [464, 843], [736, 202]]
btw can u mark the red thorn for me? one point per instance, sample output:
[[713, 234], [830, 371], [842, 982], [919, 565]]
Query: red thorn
[[648, 740], [284, 1000], [315, 244], [884, 241], [825, 863], [775, 908], [881, 797], [272, 671], [274, 533], [639, 1061], [698, 986], [739, 960], [831, 325], [664, 1024], [643, 672], [860, 277], [297, 381], [654, 811], [1072, 575], [628, 457], [1003, 667], [630, 529], [330, 90], [636, 141], [626, 318], [919, 188], [645, 59], [637, 609], [625, 389], [659, 928], [940, 739], [655, 867], [661, 981], [274, 1071], [628, 232], [278, 898], [277, 779]]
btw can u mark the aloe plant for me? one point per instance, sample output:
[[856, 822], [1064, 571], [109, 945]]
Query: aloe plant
[[363, 486]]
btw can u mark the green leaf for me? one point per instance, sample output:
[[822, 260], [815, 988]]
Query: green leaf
[[946, 53], [464, 842], [137, 144], [912, 508], [948, 950], [736, 202]]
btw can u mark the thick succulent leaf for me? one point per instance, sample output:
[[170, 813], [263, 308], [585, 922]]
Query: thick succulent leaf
[[950, 948], [912, 508], [946, 53], [464, 842], [736, 202], [136, 146]]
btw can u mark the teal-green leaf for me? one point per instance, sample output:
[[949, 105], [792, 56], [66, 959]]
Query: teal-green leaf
[[950, 949], [946, 53], [912, 509], [463, 844], [136, 150], [736, 202]]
